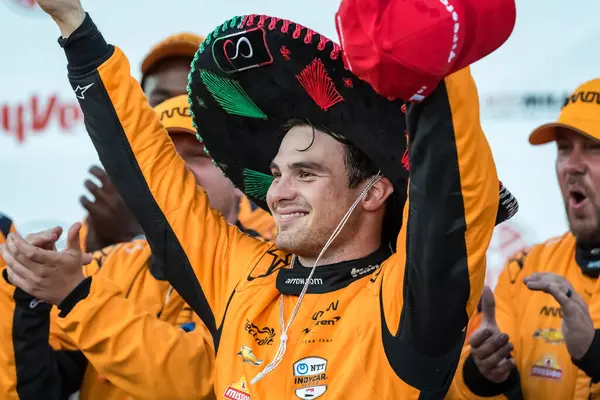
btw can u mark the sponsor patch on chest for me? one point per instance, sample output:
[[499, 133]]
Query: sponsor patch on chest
[[547, 367], [310, 377], [237, 390]]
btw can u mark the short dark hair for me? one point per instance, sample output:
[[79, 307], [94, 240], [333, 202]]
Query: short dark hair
[[359, 167]]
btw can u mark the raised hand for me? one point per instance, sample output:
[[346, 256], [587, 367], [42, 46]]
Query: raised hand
[[47, 275], [109, 219], [68, 14], [577, 325], [490, 348]]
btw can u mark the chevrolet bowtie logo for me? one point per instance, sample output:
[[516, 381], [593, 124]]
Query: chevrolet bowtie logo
[[79, 91]]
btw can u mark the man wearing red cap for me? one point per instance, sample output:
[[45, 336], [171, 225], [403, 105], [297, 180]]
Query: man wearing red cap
[[365, 293], [536, 339]]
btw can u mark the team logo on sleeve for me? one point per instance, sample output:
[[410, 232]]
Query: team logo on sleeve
[[310, 376], [238, 390], [547, 367], [248, 356]]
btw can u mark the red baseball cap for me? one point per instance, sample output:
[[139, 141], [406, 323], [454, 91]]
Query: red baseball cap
[[405, 48]]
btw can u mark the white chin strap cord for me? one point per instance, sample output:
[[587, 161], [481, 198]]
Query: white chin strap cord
[[284, 328]]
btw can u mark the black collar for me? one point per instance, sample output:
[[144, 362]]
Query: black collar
[[588, 259], [328, 278]]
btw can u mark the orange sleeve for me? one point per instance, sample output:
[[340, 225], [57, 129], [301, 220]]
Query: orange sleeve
[[448, 222], [448, 219], [147, 358], [506, 295], [204, 256]]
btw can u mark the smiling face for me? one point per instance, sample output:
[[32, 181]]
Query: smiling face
[[310, 195], [578, 171]]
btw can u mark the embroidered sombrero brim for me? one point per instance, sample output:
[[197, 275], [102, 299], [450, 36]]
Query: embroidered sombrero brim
[[254, 74]]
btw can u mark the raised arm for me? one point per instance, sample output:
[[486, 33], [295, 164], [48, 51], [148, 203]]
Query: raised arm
[[448, 224], [203, 255], [469, 382]]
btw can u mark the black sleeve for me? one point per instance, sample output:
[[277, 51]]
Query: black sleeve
[[436, 252], [590, 362], [480, 386], [444, 135], [42, 372]]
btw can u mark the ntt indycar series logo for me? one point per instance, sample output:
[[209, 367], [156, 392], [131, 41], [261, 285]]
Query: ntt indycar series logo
[[310, 377]]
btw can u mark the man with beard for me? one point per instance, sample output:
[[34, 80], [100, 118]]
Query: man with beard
[[531, 345]]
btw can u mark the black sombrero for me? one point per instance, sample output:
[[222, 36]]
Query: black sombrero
[[255, 73]]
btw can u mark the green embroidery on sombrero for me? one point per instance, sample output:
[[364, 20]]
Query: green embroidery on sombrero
[[256, 184], [230, 95], [229, 24], [234, 22], [199, 138]]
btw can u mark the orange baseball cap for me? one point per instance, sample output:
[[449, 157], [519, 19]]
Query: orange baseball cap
[[581, 114], [175, 115], [180, 44]]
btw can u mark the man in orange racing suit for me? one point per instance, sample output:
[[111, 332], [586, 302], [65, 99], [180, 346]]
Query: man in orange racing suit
[[552, 351], [295, 130], [139, 277]]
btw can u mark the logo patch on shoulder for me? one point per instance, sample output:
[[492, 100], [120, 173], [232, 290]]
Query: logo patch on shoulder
[[241, 51], [237, 390], [547, 367]]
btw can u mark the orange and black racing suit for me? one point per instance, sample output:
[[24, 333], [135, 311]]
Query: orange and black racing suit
[[384, 326], [29, 367]]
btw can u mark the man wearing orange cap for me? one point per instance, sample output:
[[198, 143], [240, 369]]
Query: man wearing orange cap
[[530, 344], [133, 283], [166, 67]]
